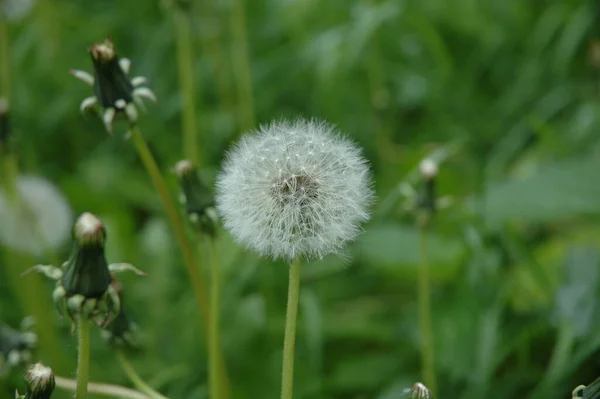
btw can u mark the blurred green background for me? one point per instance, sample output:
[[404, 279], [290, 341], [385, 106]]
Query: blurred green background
[[505, 94]]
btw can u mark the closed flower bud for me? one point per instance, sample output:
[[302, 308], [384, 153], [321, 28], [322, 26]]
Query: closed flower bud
[[4, 125], [40, 382], [427, 194], [197, 199], [86, 272], [121, 332], [294, 189], [114, 91], [83, 283], [418, 391]]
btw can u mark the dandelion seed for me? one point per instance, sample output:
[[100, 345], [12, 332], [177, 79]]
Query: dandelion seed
[[294, 188]]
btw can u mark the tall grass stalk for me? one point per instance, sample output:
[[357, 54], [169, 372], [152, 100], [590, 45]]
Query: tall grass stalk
[[187, 86], [289, 343], [214, 342], [241, 66], [424, 301], [83, 356], [190, 260], [134, 377], [161, 187], [212, 47]]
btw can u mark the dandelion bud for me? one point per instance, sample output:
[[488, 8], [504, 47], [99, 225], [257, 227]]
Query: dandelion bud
[[294, 189], [418, 391], [40, 382], [114, 91], [4, 124], [86, 273], [427, 195], [428, 169], [197, 199], [121, 332]]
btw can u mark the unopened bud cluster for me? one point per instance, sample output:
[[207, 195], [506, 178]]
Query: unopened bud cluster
[[197, 199], [83, 286], [114, 91]]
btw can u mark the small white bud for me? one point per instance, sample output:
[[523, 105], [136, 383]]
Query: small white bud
[[428, 168]]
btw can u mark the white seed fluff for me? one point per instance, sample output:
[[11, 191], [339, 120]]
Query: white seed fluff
[[294, 188]]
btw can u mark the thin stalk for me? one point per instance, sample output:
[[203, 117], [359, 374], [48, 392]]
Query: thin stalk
[[187, 86], [561, 352], [241, 66], [214, 344], [83, 357], [289, 343], [135, 378], [176, 224], [101, 389], [424, 299]]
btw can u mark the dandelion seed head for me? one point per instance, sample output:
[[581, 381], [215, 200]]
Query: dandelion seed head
[[294, 188]]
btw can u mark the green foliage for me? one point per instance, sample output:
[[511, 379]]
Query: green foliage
[[506, 93]]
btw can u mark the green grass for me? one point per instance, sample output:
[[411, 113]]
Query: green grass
[[507, 90]]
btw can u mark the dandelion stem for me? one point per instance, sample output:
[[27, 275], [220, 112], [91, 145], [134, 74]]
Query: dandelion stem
[[424, 294], [289, 343], [176, 224], [137, 381], [187, 86], [83, 356], [213, 332], [101, 389]]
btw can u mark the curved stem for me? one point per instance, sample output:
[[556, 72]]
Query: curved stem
[[176, 224], [193, 268], [100, 389], [213, 325], [424, 298], [289, 343], [136, 380], [83, 357]]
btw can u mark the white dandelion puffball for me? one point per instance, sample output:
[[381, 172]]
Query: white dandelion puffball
[[39, 221], [294, 188]]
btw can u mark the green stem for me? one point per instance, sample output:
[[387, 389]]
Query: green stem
[[187, 86], [241, 65], [100, 389], [213, 332], [424, 298], [83, 357], [135, 379], [176, 224], [289, 343]]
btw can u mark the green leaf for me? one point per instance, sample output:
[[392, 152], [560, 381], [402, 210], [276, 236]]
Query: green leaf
[[556, 192], [391, 245]]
